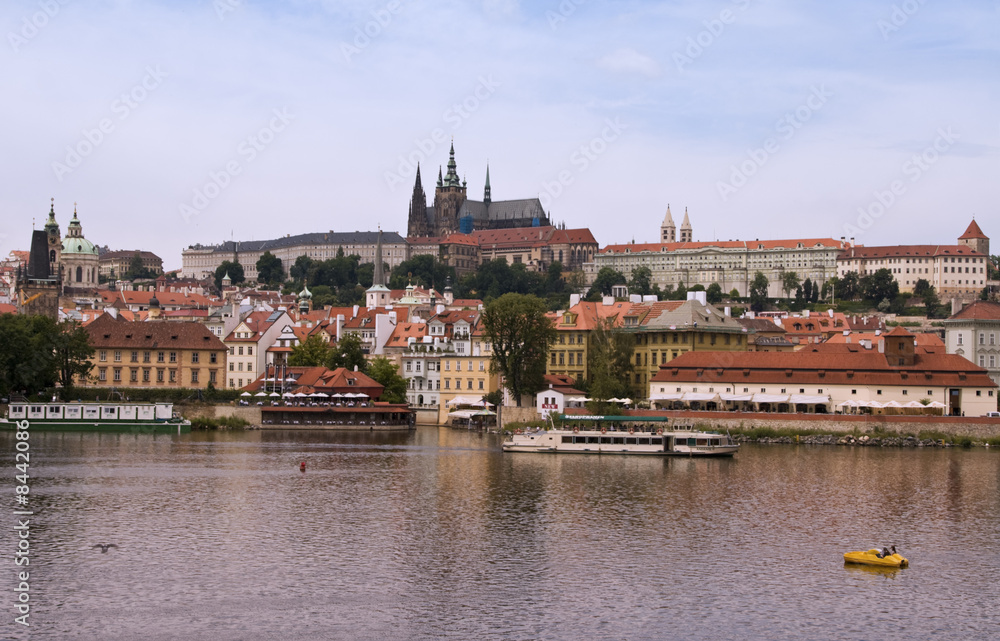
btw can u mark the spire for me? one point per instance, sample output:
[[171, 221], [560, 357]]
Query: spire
[[379, 278], [686, 234], [451, 178], [487, 198], [668, 231], [440, 180], [51, 225]]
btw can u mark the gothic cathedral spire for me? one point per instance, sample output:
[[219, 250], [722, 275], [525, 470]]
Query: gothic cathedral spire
[[487, 199]]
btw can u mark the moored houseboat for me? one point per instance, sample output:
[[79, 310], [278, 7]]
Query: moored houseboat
[[642, 440], [97, 417]]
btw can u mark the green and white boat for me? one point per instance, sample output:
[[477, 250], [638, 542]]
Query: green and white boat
[[142, 418]]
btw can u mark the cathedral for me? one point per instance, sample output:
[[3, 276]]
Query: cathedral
[[453, 212], [73, 259]]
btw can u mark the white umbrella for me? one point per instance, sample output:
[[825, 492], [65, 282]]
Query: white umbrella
[[337, 395], [300, 395], [361, 395], [936, 404], [614, 399], [349, 395], [261, 394], [915, 404], [627, 401], [274, 394], [289, 380], [875, 404], [246, 394], [319, 395], [288, 394], [892, 404]]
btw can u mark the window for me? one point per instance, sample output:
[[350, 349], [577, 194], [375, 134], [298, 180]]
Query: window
[[482, 366], [447, 366], [159, 357], [213, 358], [118, 374], [194, 376], [447, 383], [240, 351], [159, 376], [145, 375], [194, 357], [135, 357], [133, 375], [232, 382], [211, 377], [173, 376], [102, 355], [173, 357], [145, 357], [232, 366], [102, 374], [249, 351], [878, 392], [982, 361], [469, 386], [481, 384], [118, 356], [905, 392]]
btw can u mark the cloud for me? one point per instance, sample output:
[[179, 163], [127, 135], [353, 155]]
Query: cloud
[[630, 61]]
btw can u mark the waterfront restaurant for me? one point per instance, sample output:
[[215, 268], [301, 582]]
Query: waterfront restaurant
[[827, 378], [314, 397]]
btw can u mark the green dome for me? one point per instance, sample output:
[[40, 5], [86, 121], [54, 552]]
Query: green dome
[[71, 245]]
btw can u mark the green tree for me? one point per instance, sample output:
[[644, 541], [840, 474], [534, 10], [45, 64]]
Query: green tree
[[641, 282], [349, 354], [233, 268], [269, 269], [386, 373], [921, 287], [734, 294], [714, 294], [880, 286], [73, 353], [28, 359], [807, 289], [554, 283], [848, 287], [520, 333], [299, 270], [610, 366], [312, 352], [758, 292], [424, 271], [136, 270], [932, 304], [789, 282], [605, 280]]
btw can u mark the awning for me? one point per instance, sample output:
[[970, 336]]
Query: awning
[[246, 394], [466, 400], [806, 399], [695, 396], [462, 414], [577, 399], [770, 398], [736, 397], [666, 397]]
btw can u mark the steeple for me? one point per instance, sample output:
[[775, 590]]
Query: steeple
[[668, 231], [51, 225], [379, 278], [486, 191], [378, 294], [440, 181], [686, 228], [451, 178], [417, 218]]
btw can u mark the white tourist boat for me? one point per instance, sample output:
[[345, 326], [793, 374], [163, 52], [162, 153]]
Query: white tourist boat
[[96, 417], [646, 441]]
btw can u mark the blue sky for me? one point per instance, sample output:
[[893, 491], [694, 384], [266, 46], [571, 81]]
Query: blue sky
[[194, 121]]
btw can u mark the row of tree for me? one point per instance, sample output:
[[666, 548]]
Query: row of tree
[[348, 353], [37, 353]]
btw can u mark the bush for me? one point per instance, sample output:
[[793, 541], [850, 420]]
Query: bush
[[222, 423]]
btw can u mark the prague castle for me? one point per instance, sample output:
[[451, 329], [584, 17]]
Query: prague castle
[[452, 211]]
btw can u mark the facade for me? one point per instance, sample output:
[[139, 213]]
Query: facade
[[79, 261], [569, 355], [114, 264], [974, 333], [955, 271], [556, 395], [465, 372], [731, 264], [827, 376], [131, 354], [458, 251], [538, 247], [453, 212], [37, 288], [247, 345], [201, 261]]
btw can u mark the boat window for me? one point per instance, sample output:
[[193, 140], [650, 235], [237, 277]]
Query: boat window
[[644, 441], [618, 440], [630, 440], [692, 441], [656, 440], [703, 441], [716, 441], [567, 439], [606, 440], [593, 439]]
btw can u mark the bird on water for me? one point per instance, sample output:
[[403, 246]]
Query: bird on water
[[104, 547]]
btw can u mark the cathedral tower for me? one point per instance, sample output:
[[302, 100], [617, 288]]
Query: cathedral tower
[[448, 198], [418, 224], [668, 231], [686, 228]]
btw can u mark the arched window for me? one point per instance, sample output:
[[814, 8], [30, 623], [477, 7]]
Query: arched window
[[52, 256], [79, 274]]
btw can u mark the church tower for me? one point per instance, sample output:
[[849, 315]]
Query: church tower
[[487, 197], [417, 222], [668, 231], [686, 228], [448, 199], [378, 294], [54, 239]]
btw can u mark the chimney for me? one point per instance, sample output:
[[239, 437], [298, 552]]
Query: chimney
[[607, 301], [728, 311], [355, 312], [439, 309], [574, 300], [340, 324]]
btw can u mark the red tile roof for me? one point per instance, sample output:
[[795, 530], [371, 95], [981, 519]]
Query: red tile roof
[[979, 310], [973, 231], [109, 332], [792, 243], [904, 251]]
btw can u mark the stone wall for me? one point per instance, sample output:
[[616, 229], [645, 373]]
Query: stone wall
[[513, 413], [250, 414]]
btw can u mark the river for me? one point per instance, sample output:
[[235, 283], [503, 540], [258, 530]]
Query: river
[[437, 534]]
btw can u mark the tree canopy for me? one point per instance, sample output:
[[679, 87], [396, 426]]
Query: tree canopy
[[269, 269], [233, 268], [312, 352], [37, 353], [348, 353], [386, 373], [610, 368], [136, 270], [424, 271], [758, 292], [606, 278], [520, 333]]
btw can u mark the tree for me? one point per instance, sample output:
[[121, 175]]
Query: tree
[[610, 366], [605, 280], [921, 287], [807, 289], [932, 304], [554, 283], [734, 294], [880, 286], [641, 282], [136, 270], [424, 271], [848, 287], [714, 293], [520, 333], [386, 373], [312, 352], [299, 270], [789, 282], [269, 269], [349, 354], [758, 292], [73, 353], [233, 268]]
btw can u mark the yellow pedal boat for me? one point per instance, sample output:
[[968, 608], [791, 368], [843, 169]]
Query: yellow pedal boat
[[871, 557]]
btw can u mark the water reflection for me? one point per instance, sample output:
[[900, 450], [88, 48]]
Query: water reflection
[[438, 534]]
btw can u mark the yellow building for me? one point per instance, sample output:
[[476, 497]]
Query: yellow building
[[568, 355], [466, 377], [133, 354]]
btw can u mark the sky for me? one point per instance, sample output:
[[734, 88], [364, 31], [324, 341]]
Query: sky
[[172, 123]]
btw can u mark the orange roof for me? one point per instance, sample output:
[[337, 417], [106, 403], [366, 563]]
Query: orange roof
[[404, 331], [973, 231], [473, 303], [922, 339], [167, 299], [903, 251], [792, 243], [979, 310], [6, 308], [586, 315]]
